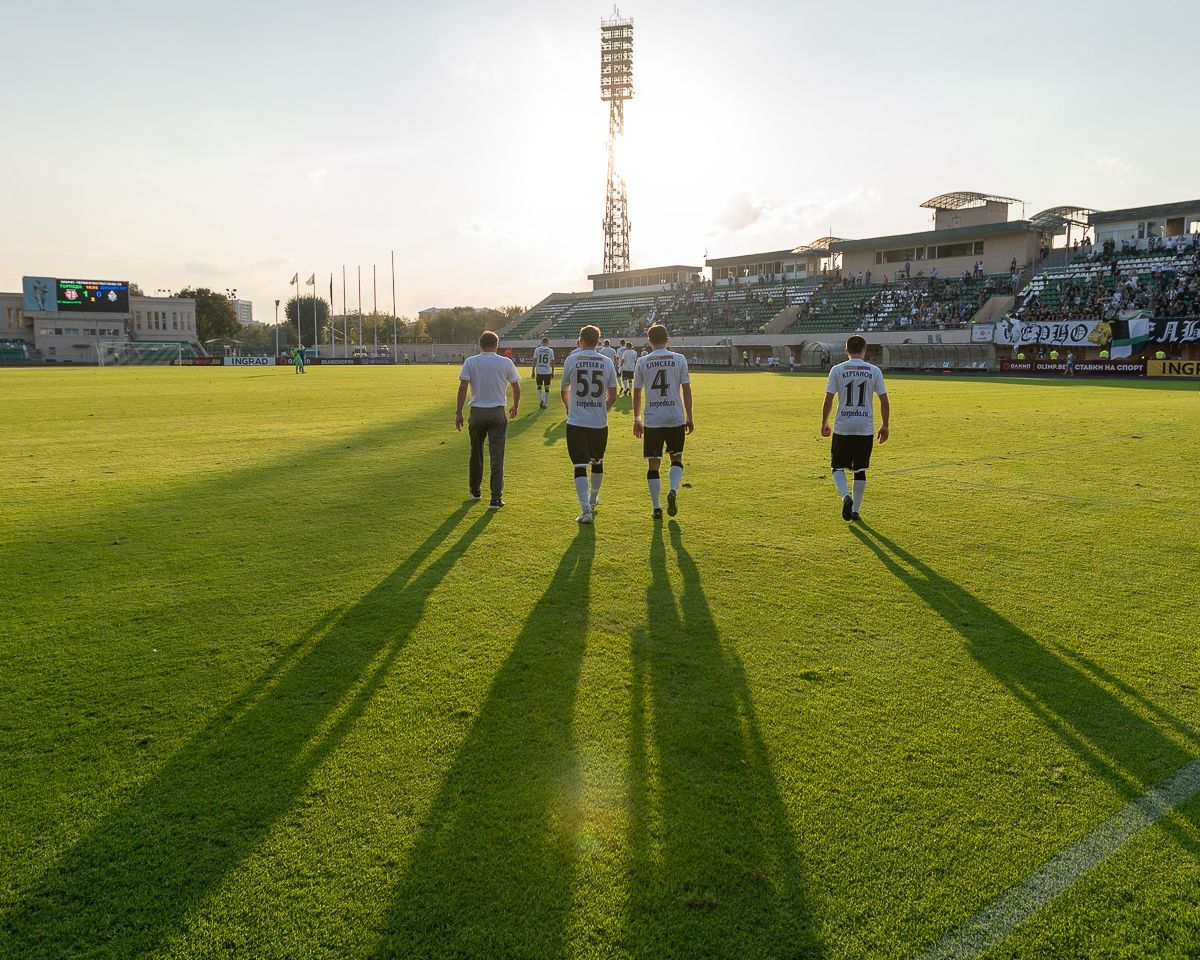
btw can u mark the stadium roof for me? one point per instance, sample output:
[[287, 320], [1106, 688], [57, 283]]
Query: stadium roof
[[752, 258], [674, 268], [821, 243], [1178, 208], [1055, 218], [965, 198], [934, 236]]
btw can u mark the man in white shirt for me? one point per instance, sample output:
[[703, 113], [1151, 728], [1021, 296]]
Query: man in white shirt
[[488, 374], [543, 370], [854, 382], [608, 351], [589, 389], [663, 376], [629, 358]]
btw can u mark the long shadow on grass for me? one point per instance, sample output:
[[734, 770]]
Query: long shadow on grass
[[131, 882], [714, 868], [492, 870], [1065, 691]]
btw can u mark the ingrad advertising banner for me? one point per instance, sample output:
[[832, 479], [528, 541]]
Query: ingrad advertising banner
[[249, 361], [1174, 368]]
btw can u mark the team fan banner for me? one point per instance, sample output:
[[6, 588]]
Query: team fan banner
[[1175, 333], [1010, 332]]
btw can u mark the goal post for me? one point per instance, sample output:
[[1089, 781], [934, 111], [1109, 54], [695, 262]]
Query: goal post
[[132, 353]]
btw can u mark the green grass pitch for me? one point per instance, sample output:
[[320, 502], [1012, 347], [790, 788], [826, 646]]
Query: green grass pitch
[[270, 688]]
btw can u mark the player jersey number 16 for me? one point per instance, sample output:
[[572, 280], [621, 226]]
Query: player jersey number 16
[[595, 386]]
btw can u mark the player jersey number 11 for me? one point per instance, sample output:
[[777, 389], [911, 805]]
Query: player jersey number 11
[[862, 394]]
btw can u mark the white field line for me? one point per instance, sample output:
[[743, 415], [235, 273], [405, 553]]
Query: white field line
[[998, 919]]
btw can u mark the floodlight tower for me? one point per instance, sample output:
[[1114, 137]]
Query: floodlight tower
[[616, 86]]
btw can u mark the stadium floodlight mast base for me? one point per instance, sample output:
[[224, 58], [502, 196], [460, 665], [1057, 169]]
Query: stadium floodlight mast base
[[616, 86]]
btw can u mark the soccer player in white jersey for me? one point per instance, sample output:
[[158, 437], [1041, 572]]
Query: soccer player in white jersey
[[608, 351], [629, 359], [854, 382], [662, 375], [589, 389], [543, 370]]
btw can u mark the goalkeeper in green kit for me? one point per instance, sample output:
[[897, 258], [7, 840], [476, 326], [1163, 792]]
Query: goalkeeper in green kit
[[298, 357]]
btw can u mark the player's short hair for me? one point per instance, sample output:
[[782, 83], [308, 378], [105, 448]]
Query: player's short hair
[[657, 334], [488, 340], [589, 335], [856, 344], [545, 340], [607, 342]]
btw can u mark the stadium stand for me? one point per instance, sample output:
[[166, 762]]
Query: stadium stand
[[920, 303], [18, 352], [1162, 284], [548, 310], [698, 309]]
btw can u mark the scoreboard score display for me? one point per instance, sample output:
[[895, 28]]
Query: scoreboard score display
[[92, 296]]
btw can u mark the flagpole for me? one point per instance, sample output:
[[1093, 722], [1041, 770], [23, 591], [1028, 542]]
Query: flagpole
[[374, 311], [316, 334], [299, 331], [345, 316], [395, 345], [360, 306], [332, 326]]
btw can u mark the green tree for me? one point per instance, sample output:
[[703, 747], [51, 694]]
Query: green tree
[[259, 338], [215, 319], [306, 305], [135, 289], [463, 324]]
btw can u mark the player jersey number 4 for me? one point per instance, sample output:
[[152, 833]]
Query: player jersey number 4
[[855, 383], [661, 375], [543, 360]]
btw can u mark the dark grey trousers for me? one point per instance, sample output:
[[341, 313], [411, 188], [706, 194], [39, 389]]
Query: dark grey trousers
[[492, 423]]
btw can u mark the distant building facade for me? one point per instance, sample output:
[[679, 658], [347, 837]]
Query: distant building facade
[[63, 321]]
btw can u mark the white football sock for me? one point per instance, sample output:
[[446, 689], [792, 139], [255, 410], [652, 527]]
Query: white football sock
[[581, 490], [655, 485], [675, 474], [860, 487], [597, 479], [839, 481]]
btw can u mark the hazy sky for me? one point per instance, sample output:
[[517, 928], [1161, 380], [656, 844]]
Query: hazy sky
[[231, 144]]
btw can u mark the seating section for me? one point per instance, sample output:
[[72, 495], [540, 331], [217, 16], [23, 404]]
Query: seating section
[[18, 351], [1163, 283], [534, 318], [921, 303], [694, 310]]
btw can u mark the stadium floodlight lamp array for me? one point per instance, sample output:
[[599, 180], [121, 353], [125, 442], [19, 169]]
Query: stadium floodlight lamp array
[[616, 59], [134, 353], [616, 86]]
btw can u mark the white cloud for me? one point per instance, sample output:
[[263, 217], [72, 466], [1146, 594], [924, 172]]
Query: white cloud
[[797, 222], [1117, 167]]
